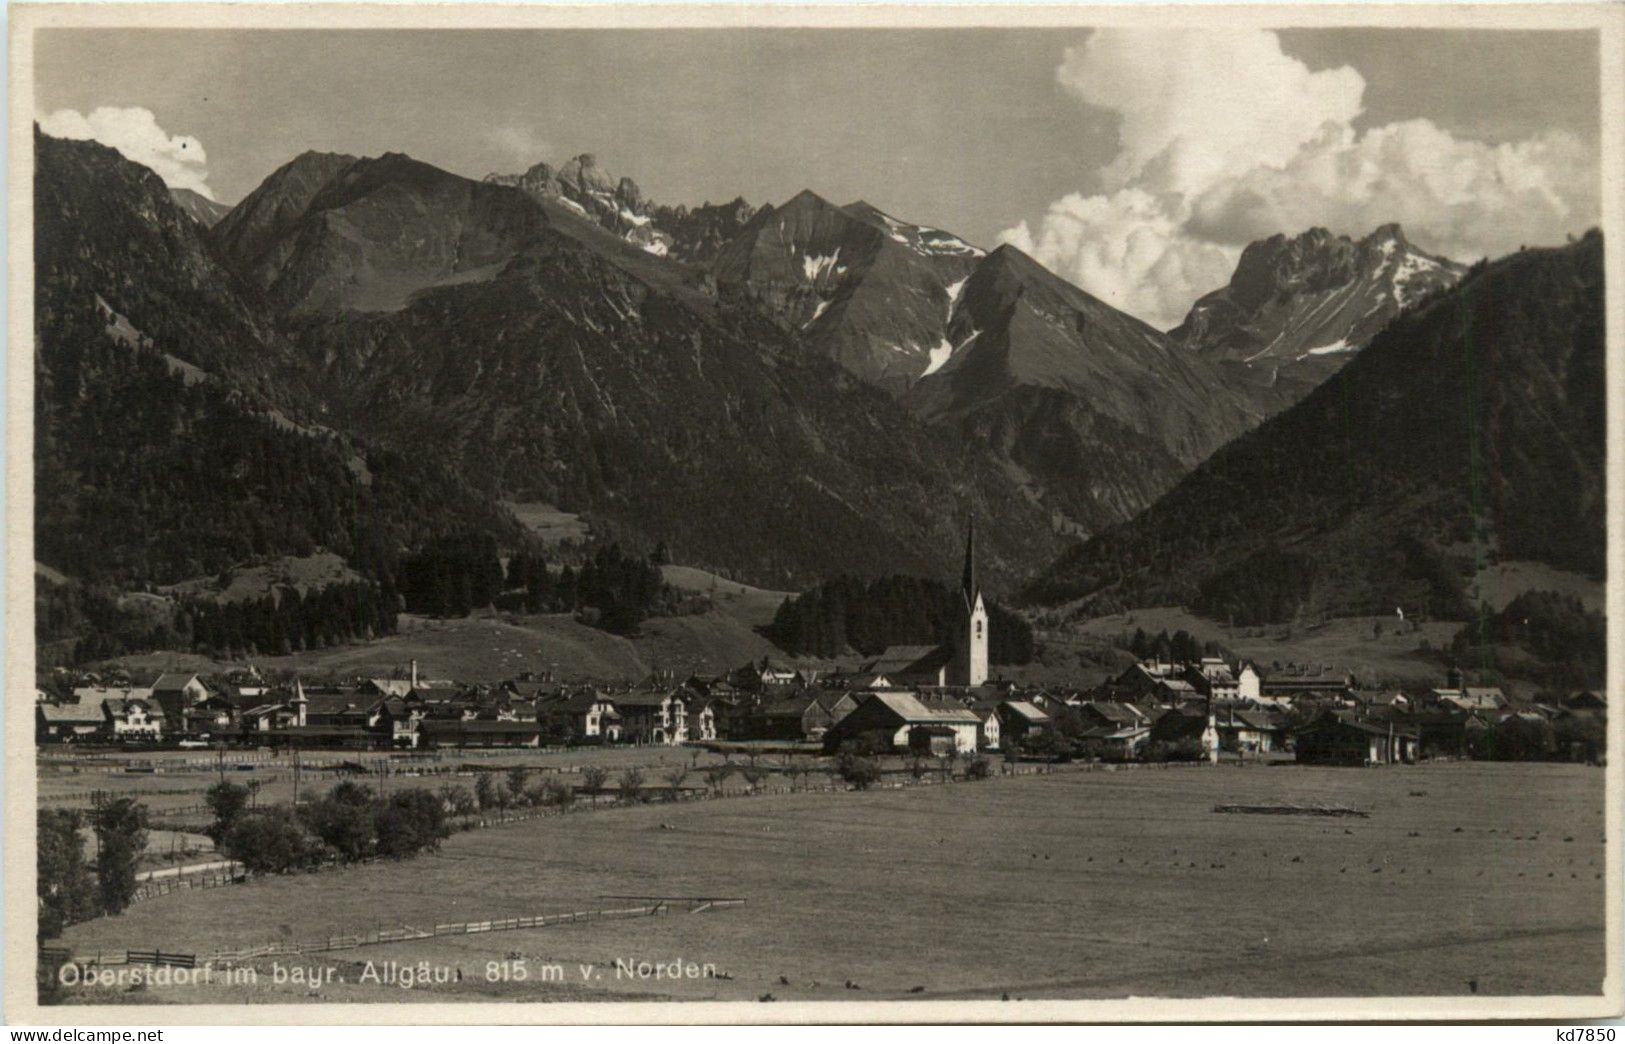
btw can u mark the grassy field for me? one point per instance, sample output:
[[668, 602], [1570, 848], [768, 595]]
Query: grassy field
[[1075, 884], [1498, 584], [1352, 643], [491, 647], [495, 646], [548, 522], [257, 581]]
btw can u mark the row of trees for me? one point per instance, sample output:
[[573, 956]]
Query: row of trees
[[870, 614], [1568, 641], [287, 620], [1179, 647], [613, 589], [349, 823]]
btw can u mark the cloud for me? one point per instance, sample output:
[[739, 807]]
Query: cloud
[[521, 145], [178, 159], [1223, 138], [1466, 199]]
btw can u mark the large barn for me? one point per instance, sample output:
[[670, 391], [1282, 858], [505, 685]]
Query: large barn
[[903, 723]]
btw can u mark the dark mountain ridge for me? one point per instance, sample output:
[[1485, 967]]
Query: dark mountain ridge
[[177, 432], [1469, 429], [542, 355], [1094, 408]]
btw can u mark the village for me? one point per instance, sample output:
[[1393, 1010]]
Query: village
[[899, 703], [919, 700]]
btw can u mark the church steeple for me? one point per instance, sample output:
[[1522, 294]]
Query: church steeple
[[970, 662]]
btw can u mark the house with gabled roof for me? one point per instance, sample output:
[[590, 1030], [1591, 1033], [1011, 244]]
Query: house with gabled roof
[[798, 717], [653, 717], [177, 693], [901, 722], [910, 666], [69, 721], [134, 718], [588, 715], [1021, 721], [1345, 740]]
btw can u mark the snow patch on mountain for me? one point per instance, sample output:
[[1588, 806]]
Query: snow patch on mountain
[[947, 350], [1339, 345], [939, 355], [813, 267], [1410, 266]]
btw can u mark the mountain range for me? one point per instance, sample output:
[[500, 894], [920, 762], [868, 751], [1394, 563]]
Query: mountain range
[[784, 392], [511, 348], [1298, 308]]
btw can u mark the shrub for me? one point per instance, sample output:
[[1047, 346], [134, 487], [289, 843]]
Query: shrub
[[557, 793], [858, 770], [348, 793], [632, 784], [979, 768], [343, 826], [412, 821], [270, 841], [516, 785]]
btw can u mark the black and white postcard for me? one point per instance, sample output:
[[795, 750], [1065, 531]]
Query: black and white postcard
[[775, 514]]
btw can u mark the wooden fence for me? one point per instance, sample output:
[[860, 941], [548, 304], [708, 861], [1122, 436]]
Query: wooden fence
[[152, 889]]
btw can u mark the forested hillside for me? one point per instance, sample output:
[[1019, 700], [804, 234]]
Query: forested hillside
[[868, 615], [1467, 431]]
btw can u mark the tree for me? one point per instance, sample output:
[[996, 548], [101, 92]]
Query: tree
[[412, 820], [457, 800], [516, 784], [593, 778], [343, 826], [270, 841], [674, 780], [716, 775], [632, 784], [351, 793], [556, 792], [485, 791], [66, 894], [121, 837], [227, 801]]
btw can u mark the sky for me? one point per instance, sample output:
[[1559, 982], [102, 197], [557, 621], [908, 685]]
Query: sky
[[1136, 163]]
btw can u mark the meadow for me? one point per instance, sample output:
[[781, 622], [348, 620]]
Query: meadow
[[1465, 878]]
